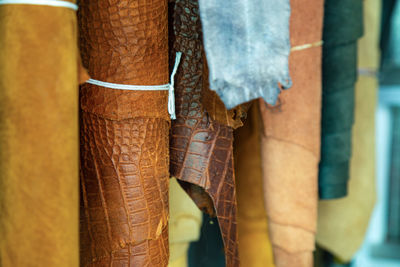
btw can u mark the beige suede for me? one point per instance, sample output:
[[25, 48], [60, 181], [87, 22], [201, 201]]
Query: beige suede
[[180, 262], [293, 260], [184, 224]]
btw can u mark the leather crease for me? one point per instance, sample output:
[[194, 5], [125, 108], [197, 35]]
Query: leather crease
[[291, 145], [124, 134], [201, 148]]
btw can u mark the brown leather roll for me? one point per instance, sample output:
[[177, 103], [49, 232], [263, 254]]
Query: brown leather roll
[[124, 134], [291, 144], [201, 148]]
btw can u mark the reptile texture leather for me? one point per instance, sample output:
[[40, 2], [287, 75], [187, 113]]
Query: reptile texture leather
[[201, 148], [124, 134]]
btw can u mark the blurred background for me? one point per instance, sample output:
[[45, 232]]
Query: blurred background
[[381, 246]]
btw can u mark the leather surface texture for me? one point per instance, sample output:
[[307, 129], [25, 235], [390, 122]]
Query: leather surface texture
[[39, 156], [291, 145], [343, 25], [201, 148], [254, 244], [124, 134], [341, 230]]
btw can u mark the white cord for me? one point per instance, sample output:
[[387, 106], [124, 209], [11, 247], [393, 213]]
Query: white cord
[[129, 87], [169, 86], [306, 46], [41, 3]]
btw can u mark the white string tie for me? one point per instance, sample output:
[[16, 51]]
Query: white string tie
[[169, 86], [66, 4], [306, 46]]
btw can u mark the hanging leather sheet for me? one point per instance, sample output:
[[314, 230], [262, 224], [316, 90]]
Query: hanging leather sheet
[[247, 47], [254, 244], [342, 223], [124, 134], [201, 148], [342, 28], [291, 144], [38, 136]]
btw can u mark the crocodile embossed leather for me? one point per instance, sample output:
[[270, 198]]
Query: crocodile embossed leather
[[124, 134], [201, 148]]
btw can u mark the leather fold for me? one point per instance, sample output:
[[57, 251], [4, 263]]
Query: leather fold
[[201, 148], [216, 109], [124, 134]]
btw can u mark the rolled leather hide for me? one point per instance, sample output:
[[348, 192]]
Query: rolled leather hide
[[39, 155], [342, 28], [342, 223], [124, 134], [201, 148], [254, 245], [291, 144]]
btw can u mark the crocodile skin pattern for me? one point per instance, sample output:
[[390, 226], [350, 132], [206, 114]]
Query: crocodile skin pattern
[[125, 42], [124, 134], [201, 149], [124, 186], [135, 255]]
